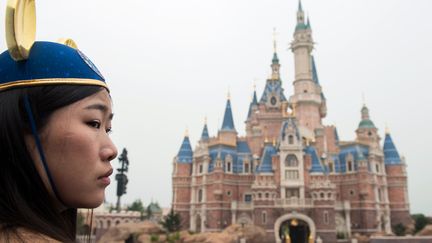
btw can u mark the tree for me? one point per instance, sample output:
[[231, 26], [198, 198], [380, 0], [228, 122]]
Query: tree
[[137, 206], [171, 222], [420, 222]]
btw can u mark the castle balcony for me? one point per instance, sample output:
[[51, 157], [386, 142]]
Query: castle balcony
[[242, 205], [294, 202]]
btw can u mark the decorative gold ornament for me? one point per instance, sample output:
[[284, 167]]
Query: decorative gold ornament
[[294, 222], [20, 28], [68, 42]]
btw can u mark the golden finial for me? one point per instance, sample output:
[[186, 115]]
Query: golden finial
[[20, 28], [187, 132], [266, 140], [387, 129], [363, 99], [294, 106], [205, 120], [68, 42], [274, 142], [284, 109]]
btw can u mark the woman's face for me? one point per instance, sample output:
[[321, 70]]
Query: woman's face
[[78, 150]]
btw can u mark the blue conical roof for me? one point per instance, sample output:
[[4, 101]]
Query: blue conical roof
[[254, 102], [205, 134], [266, 160], [300, 7], [316, 164], [391, 155], [228, 121], [314, 71], [185, 154]]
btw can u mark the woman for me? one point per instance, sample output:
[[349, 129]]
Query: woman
[[55, 149]]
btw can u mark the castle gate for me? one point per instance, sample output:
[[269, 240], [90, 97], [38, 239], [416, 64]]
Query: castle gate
[[294, 228]]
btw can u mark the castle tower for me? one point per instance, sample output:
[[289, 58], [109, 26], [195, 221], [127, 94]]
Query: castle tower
[[397, 183], [292, 178], [181, 178], [227, 134], [366, 132], [266, 116], [307, 98]]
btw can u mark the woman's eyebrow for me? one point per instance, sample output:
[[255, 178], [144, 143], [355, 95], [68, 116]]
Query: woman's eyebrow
[[101, 107]]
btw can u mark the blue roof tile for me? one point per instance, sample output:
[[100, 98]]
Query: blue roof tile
[[228, 121], [185, 154], [266, 160], [391, 155]]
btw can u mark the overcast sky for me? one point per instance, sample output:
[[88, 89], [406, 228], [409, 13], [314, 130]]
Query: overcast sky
[[170, 63]]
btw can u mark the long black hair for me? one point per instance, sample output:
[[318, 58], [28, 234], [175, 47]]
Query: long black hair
[[24, 200]]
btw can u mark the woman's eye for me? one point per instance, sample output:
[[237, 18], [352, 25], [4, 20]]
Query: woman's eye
[[108, 130], [95, 124]]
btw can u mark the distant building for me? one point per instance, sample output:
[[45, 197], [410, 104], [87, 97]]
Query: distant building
[[291, 174]]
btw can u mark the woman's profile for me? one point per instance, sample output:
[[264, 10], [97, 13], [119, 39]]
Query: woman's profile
[[55, 119]]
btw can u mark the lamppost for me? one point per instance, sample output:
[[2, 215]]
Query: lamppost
[[121, 177]]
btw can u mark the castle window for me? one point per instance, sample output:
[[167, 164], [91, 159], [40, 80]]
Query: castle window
[[290, 139], [267, 195], [229, 167], [352, 192], [326, 217], [377, 168], [200, 168], [322, 195], [292, 192], [246, 168], [350, 166], [291, 175], [200, 195], [248, 198], [329, 195], [264, 217], [229, 193], [291, 161], [331, 167], [259, 195]]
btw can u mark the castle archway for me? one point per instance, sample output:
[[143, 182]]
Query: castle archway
[[294, 228]]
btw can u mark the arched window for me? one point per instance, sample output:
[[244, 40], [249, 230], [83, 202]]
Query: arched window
[[291, 161], [264, 217], [229, 167], [290, 139], [200, 195]]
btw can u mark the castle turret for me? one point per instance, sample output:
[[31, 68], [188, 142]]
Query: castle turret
[[181, 177], [227, 134], [397, 183], [366, 132], [308, 98]]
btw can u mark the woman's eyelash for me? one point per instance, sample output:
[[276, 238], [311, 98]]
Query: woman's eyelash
[[95, 124]]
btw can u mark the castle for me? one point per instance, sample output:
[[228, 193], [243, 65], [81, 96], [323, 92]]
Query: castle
[[290, 174]]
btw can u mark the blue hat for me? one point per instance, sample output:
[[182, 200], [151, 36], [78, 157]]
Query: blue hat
[[49, 64]]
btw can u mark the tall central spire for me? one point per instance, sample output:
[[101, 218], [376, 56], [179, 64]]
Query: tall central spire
[[275, 61]]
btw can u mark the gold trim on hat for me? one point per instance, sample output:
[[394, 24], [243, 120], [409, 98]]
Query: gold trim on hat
[[52, 81]]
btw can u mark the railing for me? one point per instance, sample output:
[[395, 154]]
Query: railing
[[84, 239], [294, 202], [242, 205]]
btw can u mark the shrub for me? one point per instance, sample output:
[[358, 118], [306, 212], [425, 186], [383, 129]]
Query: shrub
[[399, 229]]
